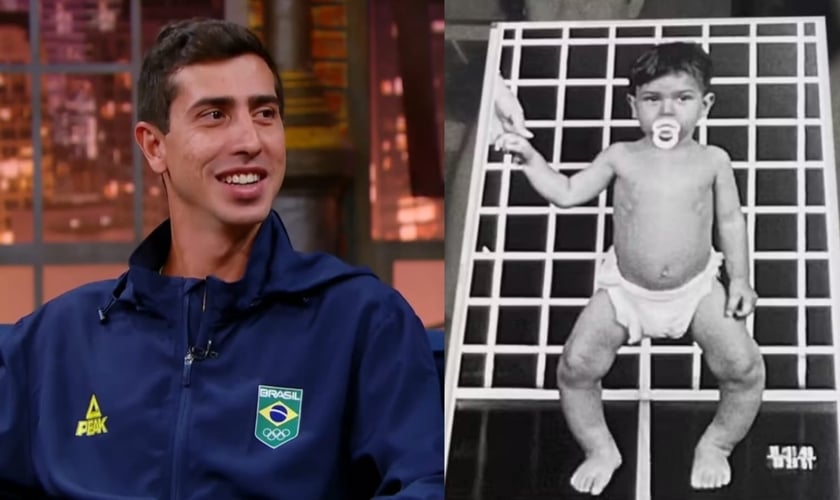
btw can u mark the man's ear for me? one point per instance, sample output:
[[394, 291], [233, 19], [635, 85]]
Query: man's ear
[[150, 140], [631, 101], [708, 102]]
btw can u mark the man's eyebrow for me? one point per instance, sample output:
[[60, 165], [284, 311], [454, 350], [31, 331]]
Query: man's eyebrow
[[228, 101], [259, 100], [215, 102]]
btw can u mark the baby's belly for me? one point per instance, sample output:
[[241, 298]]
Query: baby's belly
[[662, 254]]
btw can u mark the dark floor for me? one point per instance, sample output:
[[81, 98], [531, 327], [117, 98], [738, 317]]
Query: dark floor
[[677, 426], [528, 453]]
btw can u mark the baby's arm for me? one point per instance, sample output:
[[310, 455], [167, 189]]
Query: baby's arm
[[555, 187], [732, 232]]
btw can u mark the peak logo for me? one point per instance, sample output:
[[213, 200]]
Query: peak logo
[[94, 422]]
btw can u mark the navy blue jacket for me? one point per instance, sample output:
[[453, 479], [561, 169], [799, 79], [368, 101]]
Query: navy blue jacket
[[307, 379]]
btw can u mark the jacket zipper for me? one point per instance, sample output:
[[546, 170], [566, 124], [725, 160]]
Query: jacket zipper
[[183, 407]]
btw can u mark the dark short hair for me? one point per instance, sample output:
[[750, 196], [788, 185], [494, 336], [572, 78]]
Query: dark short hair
[[670, 58], [183, 43]]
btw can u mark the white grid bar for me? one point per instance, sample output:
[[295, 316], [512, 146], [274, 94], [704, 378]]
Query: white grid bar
[[653, 23], [643, 451], [501, 224], [560, 255], [829, 185], [737, 165], [643, 461], [496, 279], [623, 82], [605, 143], [456, 338], [634, 350], [549, 42], [540, 210], [801, 340], [582, 301], [531, 349], [696, 359], [522, 394], [551, 228], [710, 122]]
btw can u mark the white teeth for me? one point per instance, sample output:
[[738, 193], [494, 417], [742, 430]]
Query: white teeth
[[242, 179]]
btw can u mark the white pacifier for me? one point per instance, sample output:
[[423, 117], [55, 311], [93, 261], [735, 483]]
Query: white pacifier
[[666, 133]]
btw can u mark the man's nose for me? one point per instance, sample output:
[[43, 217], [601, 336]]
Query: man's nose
[[247, 137]]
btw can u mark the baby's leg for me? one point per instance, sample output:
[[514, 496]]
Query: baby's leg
[[735, 360], [587, 356]]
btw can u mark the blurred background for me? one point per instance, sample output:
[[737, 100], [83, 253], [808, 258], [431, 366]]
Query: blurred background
[[364, 119]]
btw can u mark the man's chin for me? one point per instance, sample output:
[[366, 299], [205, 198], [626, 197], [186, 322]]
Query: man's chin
[[244, 217]]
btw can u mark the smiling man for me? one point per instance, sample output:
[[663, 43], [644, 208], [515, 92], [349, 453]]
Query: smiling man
[[222, 364]]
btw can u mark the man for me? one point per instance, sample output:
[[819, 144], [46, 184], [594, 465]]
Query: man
[[223, 364]]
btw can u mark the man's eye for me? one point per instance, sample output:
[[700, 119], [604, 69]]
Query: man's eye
[[214, 114], [267, 113]]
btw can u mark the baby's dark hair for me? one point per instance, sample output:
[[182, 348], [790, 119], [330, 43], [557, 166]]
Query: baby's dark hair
[[670, 58]]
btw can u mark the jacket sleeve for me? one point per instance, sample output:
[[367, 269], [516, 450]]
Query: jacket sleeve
[[15, 456], [397, 430]]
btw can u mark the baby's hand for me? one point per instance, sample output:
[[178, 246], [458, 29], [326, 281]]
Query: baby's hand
[[516, 145], [741, 300]]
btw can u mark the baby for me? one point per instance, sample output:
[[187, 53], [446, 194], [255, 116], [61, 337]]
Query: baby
[[660, 279]]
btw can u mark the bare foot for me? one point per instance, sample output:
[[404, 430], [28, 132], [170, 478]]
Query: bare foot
[[593, 475], [711, 468]]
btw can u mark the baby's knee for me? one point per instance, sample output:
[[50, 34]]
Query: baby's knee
[[574, 369], [746, 369]]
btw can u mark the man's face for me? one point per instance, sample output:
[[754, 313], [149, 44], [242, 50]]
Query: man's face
[[224, 157], [677, 96]]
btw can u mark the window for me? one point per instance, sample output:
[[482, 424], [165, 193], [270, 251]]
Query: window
[[396, 215], [69, 169]]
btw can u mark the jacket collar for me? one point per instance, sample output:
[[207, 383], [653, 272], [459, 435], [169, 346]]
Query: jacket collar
[[275, 269]]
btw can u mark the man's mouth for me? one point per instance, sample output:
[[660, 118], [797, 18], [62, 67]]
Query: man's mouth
[[242, 179]]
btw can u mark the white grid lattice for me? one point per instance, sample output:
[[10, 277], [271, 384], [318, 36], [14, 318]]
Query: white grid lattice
[[750, 167]]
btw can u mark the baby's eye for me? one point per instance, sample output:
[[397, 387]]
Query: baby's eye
[[651, 98]]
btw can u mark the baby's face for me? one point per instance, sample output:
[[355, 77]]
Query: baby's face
[[677, 96]]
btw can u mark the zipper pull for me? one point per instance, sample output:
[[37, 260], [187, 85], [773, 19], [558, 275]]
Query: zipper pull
[[188, 361]]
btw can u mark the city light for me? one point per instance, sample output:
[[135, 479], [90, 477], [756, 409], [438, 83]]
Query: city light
[[396, 215], [86, 145]]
